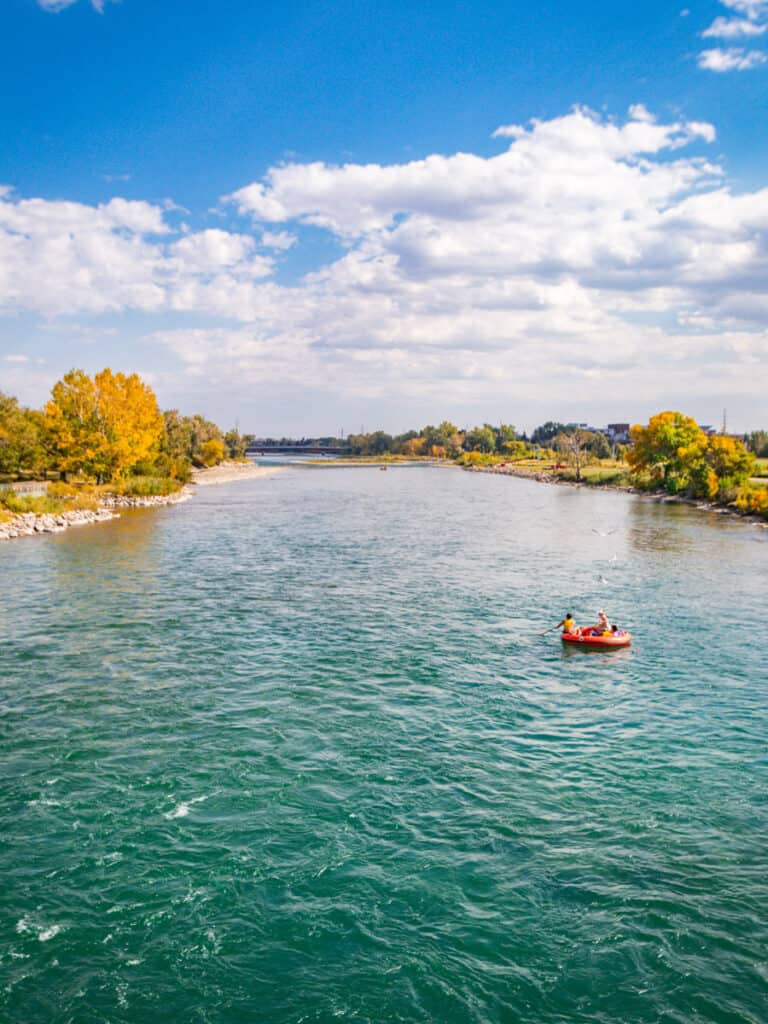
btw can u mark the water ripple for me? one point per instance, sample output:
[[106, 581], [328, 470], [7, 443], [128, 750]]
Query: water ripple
[[297, 753]]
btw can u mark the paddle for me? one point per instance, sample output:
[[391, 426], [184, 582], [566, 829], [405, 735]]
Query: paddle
[[550, 629]]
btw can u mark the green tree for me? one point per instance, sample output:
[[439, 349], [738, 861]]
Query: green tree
[[599, 445], [757, 442], [235, 443], [549, 430], [719, 465], [22, 448], [446, 436], [178, 439], [665, 448], [186, 436], [516, 449], [379, 443], [204, 430], [481, 439]]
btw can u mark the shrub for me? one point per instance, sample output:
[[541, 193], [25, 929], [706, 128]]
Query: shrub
[[146, 486], [754, 500], [82, 496], [41, 504], [478, 458]]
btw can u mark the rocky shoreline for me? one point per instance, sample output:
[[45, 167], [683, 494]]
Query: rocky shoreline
[[27, 524], [659, 496]]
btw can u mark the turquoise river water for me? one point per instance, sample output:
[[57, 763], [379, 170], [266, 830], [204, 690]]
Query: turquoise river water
[[294, 752]]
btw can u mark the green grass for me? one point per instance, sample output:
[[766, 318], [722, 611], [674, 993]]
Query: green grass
[[144, 486], [43, 504]]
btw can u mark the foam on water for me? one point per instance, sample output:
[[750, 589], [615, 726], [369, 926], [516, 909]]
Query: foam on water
[[182, 810]]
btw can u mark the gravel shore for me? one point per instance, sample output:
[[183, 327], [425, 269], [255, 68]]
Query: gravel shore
[[227, 472]]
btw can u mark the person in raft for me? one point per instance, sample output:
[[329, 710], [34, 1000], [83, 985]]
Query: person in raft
[[568, 624], [601, 628]]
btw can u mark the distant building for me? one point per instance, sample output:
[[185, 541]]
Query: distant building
[[618, 433]]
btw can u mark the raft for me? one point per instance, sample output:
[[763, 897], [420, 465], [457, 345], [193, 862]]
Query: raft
[[597, 641]]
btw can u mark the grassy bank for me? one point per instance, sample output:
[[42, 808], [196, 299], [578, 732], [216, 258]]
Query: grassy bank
[[61, 497]]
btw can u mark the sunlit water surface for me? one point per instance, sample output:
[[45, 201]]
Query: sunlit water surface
[[294, 751]]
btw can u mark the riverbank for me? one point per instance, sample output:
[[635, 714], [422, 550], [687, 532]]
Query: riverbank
[[229, 472], [27, 524], [660, 497]]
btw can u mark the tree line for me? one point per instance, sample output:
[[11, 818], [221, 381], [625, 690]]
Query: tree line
[[106, 428], [109, 428]]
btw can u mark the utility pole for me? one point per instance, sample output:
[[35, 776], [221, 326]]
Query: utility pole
[[723, 431]]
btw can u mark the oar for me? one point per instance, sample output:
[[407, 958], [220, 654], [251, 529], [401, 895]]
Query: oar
[[550, 629]]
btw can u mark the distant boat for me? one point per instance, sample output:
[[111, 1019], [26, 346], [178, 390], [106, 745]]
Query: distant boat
[[383, 469]]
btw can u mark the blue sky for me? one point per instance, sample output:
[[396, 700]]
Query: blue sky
[[307, 216]]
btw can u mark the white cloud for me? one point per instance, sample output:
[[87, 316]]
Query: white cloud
[[60, 258], [750, 24], [639, 112], [731, 59], [59, 5], [752, 9], [282, 240], [462, 276], [733, 28], [354, 199]]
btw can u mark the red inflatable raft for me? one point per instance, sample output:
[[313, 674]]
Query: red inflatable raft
[[587, 640]]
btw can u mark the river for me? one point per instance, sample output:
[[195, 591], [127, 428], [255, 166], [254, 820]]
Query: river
[[294, 752]]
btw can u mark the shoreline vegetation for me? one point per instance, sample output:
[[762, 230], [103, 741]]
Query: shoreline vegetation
[[101, 443], [671, 459], [108, 505]]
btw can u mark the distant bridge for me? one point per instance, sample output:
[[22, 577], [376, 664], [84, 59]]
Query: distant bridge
[[294, 449]]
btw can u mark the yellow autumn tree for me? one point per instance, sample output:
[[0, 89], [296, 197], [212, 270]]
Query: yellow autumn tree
[[130, 421], [414, 446], [104, 426], [212, 452], [72, 425]]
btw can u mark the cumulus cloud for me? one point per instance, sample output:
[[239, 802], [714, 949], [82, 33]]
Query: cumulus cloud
[[63, 258], [732, 58], [733, 28], [615, 248], [750, 23], [355, 198]]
